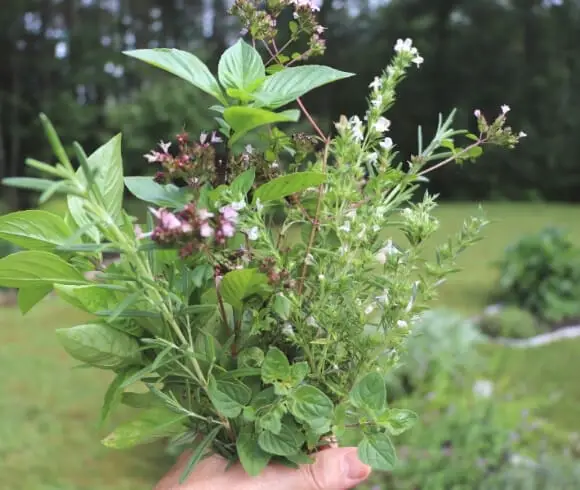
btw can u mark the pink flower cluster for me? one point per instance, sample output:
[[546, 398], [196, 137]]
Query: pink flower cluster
[[191, 228]]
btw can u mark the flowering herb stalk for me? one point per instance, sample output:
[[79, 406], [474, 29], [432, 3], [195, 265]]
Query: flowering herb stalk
[[272, 287]]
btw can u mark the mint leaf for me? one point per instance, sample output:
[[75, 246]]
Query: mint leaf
[[369, 392], [377, 451], [182, 64], [397, 420], [34, 229], [287, 442], [253, 458], [240, 66], [243, 182], [150, 425], [308, 403], [228, 397], [288, 184], [288, 84], [29, 297], [275, 366]]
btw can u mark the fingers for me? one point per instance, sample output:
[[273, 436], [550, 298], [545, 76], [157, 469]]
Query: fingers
[[333, 469]]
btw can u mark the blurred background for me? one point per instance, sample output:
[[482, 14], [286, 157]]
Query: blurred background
[[496, 387]]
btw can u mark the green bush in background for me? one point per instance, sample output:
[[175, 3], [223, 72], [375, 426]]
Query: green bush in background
[[511, 322], [541, 273]]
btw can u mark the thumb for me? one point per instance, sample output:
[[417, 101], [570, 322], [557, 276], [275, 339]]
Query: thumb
[[333, 469]]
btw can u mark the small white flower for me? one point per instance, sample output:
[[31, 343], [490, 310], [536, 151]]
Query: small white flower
[[311, 322], [418, 60], [361, 234], [238, 205], [259, 205], [274, 165], [309, 260], [295, 15], [372, 157], [356, 126], [164, 146], [505, 109], [288, 329], [385, 252], [483, 388], [377, 101], [383, 298], [369, 309], [202, 137], [382, 125], [249, 149], [320, 29], [345, 227], [376, 84], [402, 324], [343, 250], [321, 277], [351, 213], [386, 144], [376, 228], [522, 134], [477, 113], [402, 46], [253, 233]]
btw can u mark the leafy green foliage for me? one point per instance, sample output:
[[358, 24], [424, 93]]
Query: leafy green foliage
[[541, 273], [34, 230], [510, 322], [241, 66], [182, 64], [147, 190], [244, 119], [288, 184]]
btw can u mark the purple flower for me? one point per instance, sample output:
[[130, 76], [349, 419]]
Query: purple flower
[[167, 219], [205, 230], [229, 213], [228, 229]]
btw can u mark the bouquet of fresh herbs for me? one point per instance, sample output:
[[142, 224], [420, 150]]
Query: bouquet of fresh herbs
[[273, 286]]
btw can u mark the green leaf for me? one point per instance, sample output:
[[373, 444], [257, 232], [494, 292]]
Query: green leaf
[[140, 400], [275, 366], [198, 453], [474, 152], [287, 442], [240, 66], [369, 392], [243, 119], [88, 297], [33, 184], [397, 420], [309, 403], [253, 458], [282, 306], [252, 357], [377, 451], [298, 372], [34, 229], [182, 64], [165, 196], [114, 394], [243, 182], [290, 83], [100, 345], [236, 286], [33, 268], [286, 185], [29, 297], [271, 419], [300, 458], [107, 162], [229, 397], [150, 425]]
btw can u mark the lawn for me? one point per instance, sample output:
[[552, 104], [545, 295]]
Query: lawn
[[49, 438]]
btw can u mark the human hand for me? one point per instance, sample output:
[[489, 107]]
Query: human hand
[[333, 469]]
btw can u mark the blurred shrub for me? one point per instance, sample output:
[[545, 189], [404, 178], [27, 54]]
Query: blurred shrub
[[510, 322], [158, 111], [541, 273], [442, 341], [468, 438]]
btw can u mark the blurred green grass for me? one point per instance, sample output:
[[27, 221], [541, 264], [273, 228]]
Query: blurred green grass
[[48, 434]]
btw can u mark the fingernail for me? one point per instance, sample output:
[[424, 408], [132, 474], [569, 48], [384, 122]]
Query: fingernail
[[355, 470]]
